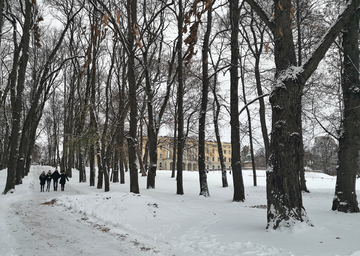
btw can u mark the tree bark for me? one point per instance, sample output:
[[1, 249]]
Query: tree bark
[[204, 189], [345, 199], [17, 99], [239, 190], [284, 197], [283, 187], [132, 137], [180, 111]]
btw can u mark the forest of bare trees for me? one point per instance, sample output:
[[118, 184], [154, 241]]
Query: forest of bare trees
[[83, 81]]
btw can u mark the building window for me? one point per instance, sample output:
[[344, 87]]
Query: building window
[[219, 167], [160, 147], [213, 150], [160, 164], [160, 156], [218, 159], [207, 158], [213, 167], [207, 150], [229, 152], [224, 151], [224, 159], [213, 158], [229, 160]]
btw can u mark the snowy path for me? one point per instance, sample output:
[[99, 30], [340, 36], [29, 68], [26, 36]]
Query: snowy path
[[47, 229]]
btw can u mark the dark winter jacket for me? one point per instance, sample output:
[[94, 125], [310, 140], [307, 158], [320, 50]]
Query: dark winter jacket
[[42, 179], [55, 176], [48, 177], [63, 178]]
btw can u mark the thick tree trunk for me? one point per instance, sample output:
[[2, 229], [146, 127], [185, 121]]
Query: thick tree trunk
[[239, 190], [283, 187], [132, 137], [17, 100], [345, 199]]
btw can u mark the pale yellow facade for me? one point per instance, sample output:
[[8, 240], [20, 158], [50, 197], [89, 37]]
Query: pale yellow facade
[[190, 156]]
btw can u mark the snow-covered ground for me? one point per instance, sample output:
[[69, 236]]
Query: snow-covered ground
[[83, 220]]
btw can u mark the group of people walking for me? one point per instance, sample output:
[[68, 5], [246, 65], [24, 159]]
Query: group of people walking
[[46, 178]]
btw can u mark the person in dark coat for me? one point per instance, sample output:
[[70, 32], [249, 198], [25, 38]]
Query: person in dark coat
[[48, 181], [55, 176], [63, 178], [42, 179]]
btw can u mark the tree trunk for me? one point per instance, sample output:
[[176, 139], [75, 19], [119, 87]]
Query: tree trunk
[[303, 186], [239, 190], [174, 147], [132, 137], [345, 199], [121, 154], [218, 141], [92, 165], [180, 112], [204, 189], [17, 99], [82, 172], [283, 187], [284, 197], [152, 143], [115, 167]]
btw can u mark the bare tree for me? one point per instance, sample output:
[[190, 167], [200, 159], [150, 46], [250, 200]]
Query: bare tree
[[239, 189], [180, 93], [283, 187], [17, 81], [348, 154]]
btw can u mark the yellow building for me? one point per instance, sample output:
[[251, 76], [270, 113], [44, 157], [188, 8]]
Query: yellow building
[[190, 157]]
